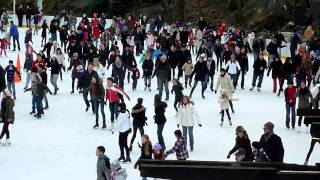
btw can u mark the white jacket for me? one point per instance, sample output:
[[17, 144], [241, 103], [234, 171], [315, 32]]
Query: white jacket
[[100, 71], [233, 68], [60, 59], [123, 122], [187, 115]]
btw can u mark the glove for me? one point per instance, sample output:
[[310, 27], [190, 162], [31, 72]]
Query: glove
[[200, 125], [228, 157], [215, 91]]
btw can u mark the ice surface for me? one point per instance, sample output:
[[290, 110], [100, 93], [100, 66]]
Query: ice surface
[[62, 144]]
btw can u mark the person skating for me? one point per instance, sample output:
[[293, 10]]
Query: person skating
[[124, 127], [226, 83], [103, 164], [200, 71], [272, 144], [287, 71], [118, 173], [113, 94], [244, 64], [290, 98], [177, 89], [160, 118], [224, 106], [163, 73], [259, 153], [305, 99], [187, 116], [187, 68], [6, 115], [258, 72], [275, 66], [146, 151], [97, 98], [55, 70], [135, 76], [76, 70], [138, 114], [10, 72], [2, 79], [14, 33], [118, 72], [85, 81], [211, 64], [44, 78], [233, 67], [147, 68], [60, 58], [180, 147], [242, 141]]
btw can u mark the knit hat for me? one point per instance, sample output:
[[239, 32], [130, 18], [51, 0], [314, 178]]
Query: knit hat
[[157, 147], [269, 125], [115, 165], [256, 144]]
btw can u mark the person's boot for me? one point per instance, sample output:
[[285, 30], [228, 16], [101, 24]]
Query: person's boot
[[130, 147], [55, 91], [38, 115], [46, 106], [128, 159], [121, 158], [7, 143], [104, 126], [252, 88], [202, 94], [33, 111], [87, 108], [96, 126], [145, 88], [221, 124], [149, 88], [186, 85], [72, 91], [230, 122]]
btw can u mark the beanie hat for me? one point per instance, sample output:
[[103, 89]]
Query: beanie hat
[[157, 147], [256, 144], [115, 165], [269, 125], [240, 152]]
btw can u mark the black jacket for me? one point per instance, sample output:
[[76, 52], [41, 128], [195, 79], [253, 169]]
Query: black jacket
[[163, 71], [258, 45], [273, 147], [128, 59], [226, 55], [212, 70], [139, 115], [159, 110], [275, 66], [201, 70], [245, 144], [44, 77], [286, 70], [243, 62], [86, 77], [147, 68], [173, 59], [183, 57], [272, 48], [55, 68], [259, 66], [177, 89], [2, 79]]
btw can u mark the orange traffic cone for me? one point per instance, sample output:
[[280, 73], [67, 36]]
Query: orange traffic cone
[[16, 75]]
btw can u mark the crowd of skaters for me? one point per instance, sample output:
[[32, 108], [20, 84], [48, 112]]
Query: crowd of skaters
[[91, 49]]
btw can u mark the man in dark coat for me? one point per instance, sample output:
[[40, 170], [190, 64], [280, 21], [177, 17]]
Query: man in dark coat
[[163, 73], [85, 82], [2, 79], [201, 72], [272, 144]]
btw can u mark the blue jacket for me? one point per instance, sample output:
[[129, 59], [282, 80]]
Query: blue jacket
[[14, 31], [10, 72]]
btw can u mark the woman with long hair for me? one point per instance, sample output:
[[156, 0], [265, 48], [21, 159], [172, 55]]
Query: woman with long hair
[[187, 117], [160, 118], [242, 141], [146, 151]]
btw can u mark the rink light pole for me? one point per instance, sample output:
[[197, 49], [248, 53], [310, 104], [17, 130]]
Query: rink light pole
[[14, 6]]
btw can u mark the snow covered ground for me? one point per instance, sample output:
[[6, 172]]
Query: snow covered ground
[[62, 144]]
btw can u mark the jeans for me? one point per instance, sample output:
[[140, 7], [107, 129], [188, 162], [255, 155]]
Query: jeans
[[113, 107], [234, 79], [160, 137], [188, 130], [243, 73], [119, 81], [96, 111], [165, 84], [16, 39], [54, 36], [147, 81], [85, 98], [53, 80], [255, 55], [135, 129], [12, 87], [28, 78], [254, 79], [203, 84], [123, 143], [37, 101], [292, 109]]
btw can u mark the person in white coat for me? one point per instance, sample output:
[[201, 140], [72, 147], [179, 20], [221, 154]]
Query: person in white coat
[[118, 173], [233, 68], [124, 127], [224, 106], [98, 67], [187, 116], [60, 58], [226, 83]]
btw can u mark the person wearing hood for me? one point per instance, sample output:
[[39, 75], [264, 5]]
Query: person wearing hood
[[118, 173], [305, 99], [180, 147], [146, 151], [272, 144], [139, 119], [226, 84], [103, 164], [6, 115]]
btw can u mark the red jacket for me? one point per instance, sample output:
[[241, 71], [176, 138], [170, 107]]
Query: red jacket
[[290, 95], [36, 63], [112, 94]]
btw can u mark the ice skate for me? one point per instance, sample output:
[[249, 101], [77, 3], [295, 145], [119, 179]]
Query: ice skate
[[96, 126]]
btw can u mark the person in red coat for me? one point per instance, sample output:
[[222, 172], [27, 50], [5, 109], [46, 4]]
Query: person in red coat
[[114, 94], [39, 61], [290, 98]]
